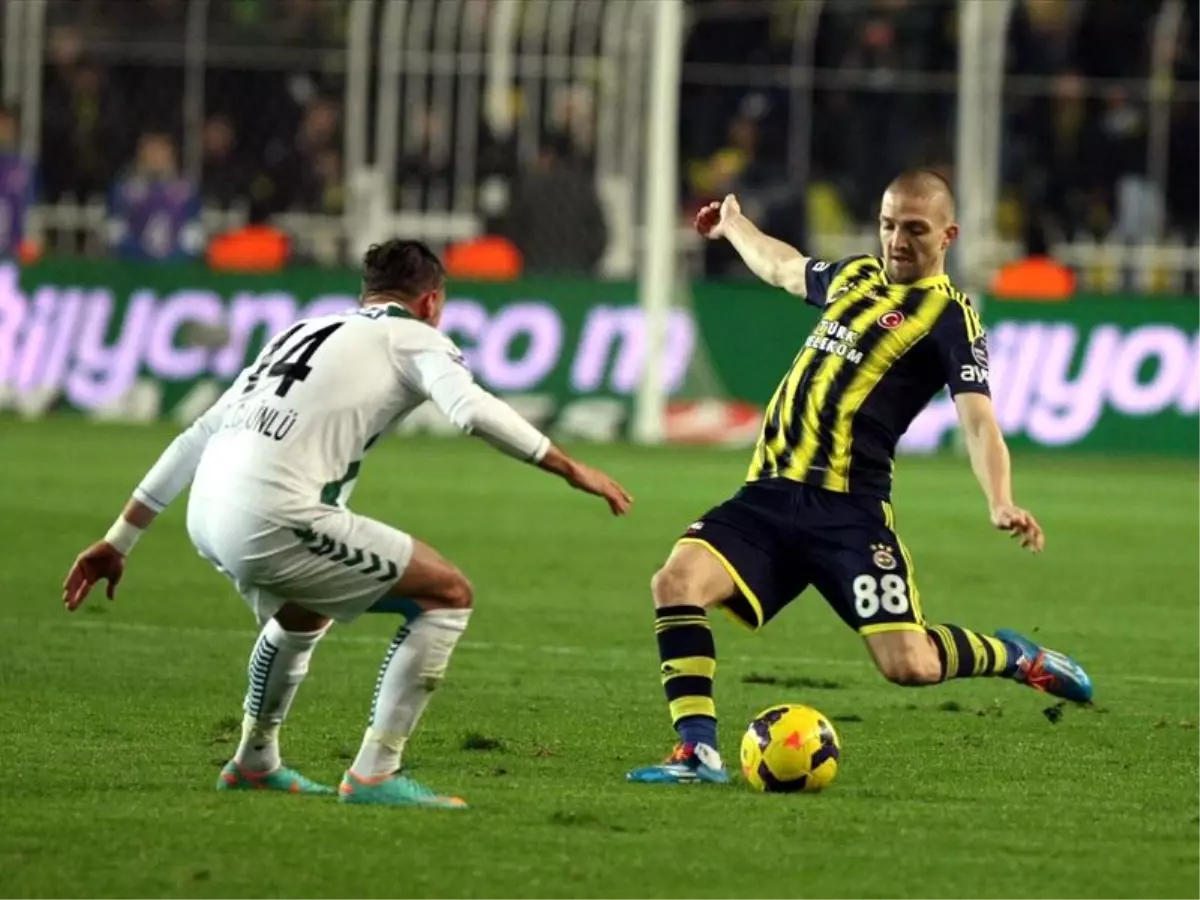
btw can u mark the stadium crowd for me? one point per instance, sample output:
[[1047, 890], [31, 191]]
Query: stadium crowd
[[1076, 130]]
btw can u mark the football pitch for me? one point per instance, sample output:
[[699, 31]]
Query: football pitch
[[117, 718]]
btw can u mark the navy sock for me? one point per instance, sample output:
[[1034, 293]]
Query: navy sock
[[698, 730], [968, 654], [689, 662]]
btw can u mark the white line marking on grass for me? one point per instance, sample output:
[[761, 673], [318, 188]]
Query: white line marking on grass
[[552, 649]]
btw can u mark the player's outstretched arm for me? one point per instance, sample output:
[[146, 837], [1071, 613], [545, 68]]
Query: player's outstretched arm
[[993, 469], [583, 477], [448, 383], [775, 262], [170, 474]]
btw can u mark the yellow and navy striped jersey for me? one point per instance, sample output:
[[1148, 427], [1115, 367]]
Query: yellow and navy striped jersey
[[879, 353]]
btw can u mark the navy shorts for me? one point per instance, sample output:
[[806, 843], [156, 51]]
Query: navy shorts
[[776, 538]]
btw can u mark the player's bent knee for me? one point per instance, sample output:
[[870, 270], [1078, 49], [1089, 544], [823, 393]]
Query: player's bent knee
[[691, 576], [671, 586], [292, 617], [434, 582], [459, 594]]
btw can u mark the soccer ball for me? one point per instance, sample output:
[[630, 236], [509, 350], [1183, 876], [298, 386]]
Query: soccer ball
[[790, 748]]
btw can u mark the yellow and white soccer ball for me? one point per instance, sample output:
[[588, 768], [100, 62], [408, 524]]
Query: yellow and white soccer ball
[[788, 748]]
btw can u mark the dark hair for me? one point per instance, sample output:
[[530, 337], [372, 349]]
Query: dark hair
[[407, 268]]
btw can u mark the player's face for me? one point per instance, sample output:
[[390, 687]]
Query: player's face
[[915, 232]]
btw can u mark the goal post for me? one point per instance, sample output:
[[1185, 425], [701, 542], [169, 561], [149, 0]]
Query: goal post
[[658, 263]]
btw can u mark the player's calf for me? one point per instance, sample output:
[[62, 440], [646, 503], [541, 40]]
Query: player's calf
[[685, 587], [277, 666], [939, 653], [906, 658], [440, 600]]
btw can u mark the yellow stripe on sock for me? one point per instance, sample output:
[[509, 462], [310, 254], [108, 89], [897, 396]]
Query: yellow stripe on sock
[[1000, 649], [951, 650], [705, 666], [980, 660], [692, 706], [662, 625]]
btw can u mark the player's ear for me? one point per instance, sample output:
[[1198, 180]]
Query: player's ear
[[427, 306], [951, 234]]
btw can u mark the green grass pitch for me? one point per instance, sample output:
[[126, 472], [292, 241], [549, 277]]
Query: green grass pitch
[[116, 719]]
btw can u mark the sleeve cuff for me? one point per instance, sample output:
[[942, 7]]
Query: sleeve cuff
[[146, 499], [543, 448]]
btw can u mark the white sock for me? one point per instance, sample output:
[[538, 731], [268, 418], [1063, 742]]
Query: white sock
[[278, 664], [411, 671]]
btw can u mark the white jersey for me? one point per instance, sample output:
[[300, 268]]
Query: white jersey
[[288, 437]]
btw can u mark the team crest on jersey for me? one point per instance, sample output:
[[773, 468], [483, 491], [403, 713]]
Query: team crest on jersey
[[891, 319], [884, 557], [979, 350]]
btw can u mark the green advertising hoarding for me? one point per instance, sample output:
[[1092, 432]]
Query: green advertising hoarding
[[109, 339]]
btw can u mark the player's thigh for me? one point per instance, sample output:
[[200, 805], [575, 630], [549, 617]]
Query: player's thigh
[[339, 565], [862, 568], [411, 570], [736, 556], [692, 575], [238, 544]]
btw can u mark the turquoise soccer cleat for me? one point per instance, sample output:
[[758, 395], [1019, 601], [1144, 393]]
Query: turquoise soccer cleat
[[234, 778], [1048, 670], [687, 764], [393, 790]]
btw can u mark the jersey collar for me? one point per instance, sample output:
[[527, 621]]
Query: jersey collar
[[934, 281], [396, 311]]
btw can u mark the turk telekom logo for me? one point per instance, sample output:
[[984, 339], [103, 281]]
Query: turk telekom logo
[[1051, 382], [84, 343]]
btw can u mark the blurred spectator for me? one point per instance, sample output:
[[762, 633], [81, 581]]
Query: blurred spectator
[[324, 187], [762, 187], [555, 218], [735, 165], [16, 188], [224, 179], [154, 214], [424, 164], [1119, 140], [1059, 178], [1041, 37], [292, 168], [81, 121]]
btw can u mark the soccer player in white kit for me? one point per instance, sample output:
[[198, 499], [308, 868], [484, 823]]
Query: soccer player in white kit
[[271, 467]]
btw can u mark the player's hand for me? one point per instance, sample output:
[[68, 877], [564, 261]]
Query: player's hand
[[99, 562], [1020, 524], [593, 481], [714, 217]]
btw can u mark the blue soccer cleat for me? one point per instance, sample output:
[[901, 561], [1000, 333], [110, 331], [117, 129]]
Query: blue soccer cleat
[[1048, 670], [687, 764]]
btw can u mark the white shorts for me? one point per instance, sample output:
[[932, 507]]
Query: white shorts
[[337, 566]]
